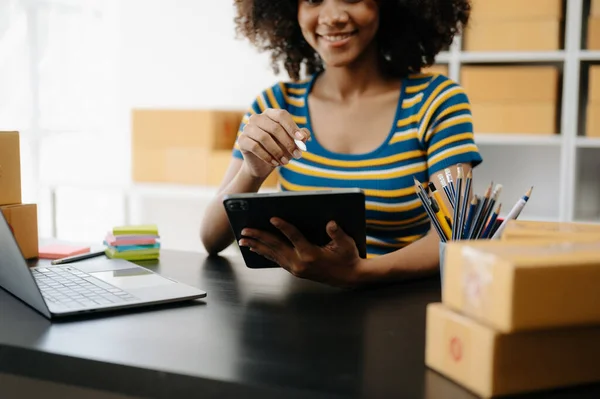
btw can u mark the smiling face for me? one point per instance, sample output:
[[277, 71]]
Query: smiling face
[[341, 31]]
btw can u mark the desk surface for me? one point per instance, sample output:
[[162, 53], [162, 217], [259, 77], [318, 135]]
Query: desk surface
[[262, 333]]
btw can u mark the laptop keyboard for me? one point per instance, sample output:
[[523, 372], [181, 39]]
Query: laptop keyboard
[[73, 288]]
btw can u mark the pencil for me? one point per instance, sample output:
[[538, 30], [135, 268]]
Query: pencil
[[490, 225], [439, 200], [489, 210], [420, 193], [513, 214], [457, 214], [465, 204], [481, 209], [471, 214], [446, 189], [450, 183], [442, 220], [75, 258]]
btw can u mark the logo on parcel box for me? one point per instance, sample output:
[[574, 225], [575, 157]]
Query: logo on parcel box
[[456, 350]]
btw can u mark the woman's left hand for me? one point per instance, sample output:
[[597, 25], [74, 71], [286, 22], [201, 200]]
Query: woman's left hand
[[338, 263]]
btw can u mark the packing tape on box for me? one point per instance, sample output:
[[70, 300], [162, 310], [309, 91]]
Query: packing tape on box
[[477, 277]]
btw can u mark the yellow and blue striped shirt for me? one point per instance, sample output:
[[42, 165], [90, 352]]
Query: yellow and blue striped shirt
[[432, 130]]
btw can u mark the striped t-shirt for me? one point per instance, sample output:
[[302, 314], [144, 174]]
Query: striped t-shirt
[[432, 130]]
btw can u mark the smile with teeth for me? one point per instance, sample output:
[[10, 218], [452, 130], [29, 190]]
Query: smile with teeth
[[338, 37]]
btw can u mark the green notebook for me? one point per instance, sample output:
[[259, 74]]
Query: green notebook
[[133, 255], [147, 229]]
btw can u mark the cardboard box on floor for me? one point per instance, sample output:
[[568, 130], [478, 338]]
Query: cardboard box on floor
[[526, 284], [23, 221], [489, 363], [10, 168]]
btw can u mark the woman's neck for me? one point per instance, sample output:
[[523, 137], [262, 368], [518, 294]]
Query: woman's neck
[[363, 77]]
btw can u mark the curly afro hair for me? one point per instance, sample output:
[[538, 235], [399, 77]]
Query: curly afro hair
[[411, 33]]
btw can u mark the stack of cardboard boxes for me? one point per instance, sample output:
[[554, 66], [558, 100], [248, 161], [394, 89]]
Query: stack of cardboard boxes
[[513, 99], [593, 109], [593, 37], [520, 314], [190, 147], [21, 218], [514, 25]]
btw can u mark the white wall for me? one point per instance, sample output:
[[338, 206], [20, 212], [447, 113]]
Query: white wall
[[183, 53]]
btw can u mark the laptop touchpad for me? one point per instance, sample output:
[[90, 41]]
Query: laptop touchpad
[[132, 278]]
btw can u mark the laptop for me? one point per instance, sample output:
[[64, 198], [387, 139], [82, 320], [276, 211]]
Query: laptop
[[92, 285]]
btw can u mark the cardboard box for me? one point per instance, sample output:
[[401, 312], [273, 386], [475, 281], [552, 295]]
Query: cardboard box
[[184, 146], [513, 35], [22, 219], [207, 129], [517, 230], [595, 8], [526, 118], [593, 39], [516, 9], [509, 84], [593, 120], [10, 168], [489, 363], [594, 84], [182, 165], [524, 285]]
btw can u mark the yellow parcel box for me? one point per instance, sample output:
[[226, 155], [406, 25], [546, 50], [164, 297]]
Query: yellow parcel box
[[489, 363], [524, 285]]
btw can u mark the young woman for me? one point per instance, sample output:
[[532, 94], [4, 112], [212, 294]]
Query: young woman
[[369, 119]]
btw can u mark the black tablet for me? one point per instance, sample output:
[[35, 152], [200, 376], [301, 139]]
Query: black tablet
[[308, 211]]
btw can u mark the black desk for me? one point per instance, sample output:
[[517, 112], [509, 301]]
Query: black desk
[[259, 333]]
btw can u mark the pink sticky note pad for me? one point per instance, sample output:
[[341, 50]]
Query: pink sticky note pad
[[57, 251]]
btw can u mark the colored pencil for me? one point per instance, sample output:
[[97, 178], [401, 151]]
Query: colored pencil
[[489, 210], [492, 221], [424, 200], [471, 214], [477, 219], [466, 200], [436, 194], [446, 189], [450, 183], [457, 208]]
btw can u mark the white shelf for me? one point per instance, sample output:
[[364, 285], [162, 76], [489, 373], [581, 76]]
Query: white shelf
[[166, 190], [511, 56], [518, 139], [442, 58], [589, 55], [586, 142]]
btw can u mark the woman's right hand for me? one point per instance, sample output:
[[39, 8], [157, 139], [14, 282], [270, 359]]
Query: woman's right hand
[[267, 141]]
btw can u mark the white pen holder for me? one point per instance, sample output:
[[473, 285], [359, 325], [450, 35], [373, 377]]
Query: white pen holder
[[442, 255]]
